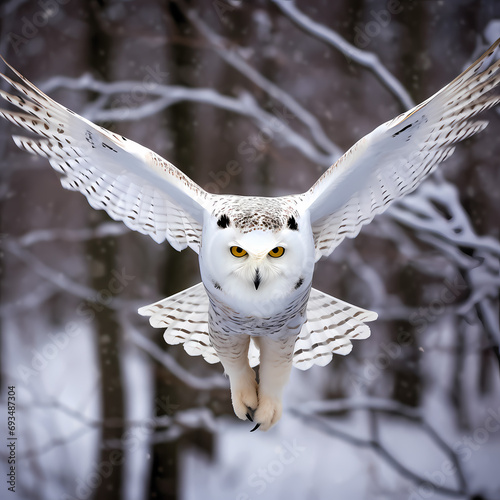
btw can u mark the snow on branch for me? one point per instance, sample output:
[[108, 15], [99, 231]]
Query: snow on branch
[[46, 272], [104, 230], [33, 298], [233, 58], [364, 58], [419, 212], [60, 280], [245, 104], [374, 442], [186, 377]]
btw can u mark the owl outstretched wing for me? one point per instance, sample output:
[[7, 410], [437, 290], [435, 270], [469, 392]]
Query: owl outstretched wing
[[130, 182], [393, 159]]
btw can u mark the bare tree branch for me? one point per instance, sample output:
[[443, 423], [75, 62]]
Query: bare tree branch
[[164, 358], [373, 443], [362, 57], [244, 105], [234, 59], [43, 235]]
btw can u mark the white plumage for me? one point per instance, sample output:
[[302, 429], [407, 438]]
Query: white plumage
[[330, 325], [257, 255]]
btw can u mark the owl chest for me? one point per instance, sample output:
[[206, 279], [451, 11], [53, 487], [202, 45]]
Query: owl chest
[[266, 320]]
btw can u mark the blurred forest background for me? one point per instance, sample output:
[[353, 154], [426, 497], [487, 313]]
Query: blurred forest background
[[254, 98]]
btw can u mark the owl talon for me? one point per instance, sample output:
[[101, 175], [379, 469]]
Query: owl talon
[[244, 396], [256, 427], [268, 412]]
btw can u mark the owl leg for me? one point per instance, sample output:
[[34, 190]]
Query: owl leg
[[276, 356], [232, 351]]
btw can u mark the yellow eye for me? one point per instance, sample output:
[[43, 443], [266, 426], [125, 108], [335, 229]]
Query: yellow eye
[[238, 251], [277, 252]]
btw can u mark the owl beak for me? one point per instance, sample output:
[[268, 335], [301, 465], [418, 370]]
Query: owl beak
[[256, 280]]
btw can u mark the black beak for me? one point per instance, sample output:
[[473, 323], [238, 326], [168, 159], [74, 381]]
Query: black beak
[[256, 281]]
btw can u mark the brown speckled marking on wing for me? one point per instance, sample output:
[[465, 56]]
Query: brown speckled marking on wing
[[107, 168], [185, 319], [331, 325]]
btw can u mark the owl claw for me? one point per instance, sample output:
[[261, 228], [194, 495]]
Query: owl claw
[[244, 396], [267, 413], [256, 427]]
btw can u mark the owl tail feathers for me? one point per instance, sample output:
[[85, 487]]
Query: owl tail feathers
[[330, 327], [331, 324], [185, 317]]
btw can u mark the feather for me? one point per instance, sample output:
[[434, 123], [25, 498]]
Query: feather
[[130, 182], [185, 317], [392, 160], [330, 327]]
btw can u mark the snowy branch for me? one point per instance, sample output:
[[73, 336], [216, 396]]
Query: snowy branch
[[186, 377], [106, 229], [233, 57], [245, 105], [55, 277], [362, 57], [324, 425]]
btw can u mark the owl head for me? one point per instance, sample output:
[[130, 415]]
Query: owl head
[[255, 256]]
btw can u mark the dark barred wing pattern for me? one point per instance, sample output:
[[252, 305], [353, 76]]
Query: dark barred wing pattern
[[330, 327], [130, 182]]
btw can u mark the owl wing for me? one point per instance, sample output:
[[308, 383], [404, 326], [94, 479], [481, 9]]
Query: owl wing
[[130, 182], [393, 159]]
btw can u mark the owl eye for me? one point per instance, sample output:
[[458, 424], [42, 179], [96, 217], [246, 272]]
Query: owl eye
[[238, 251], [277, 252]]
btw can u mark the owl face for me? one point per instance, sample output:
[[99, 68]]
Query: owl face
[[257, 265]]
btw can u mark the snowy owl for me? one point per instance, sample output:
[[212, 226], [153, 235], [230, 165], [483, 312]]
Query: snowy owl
[[255, 304]]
